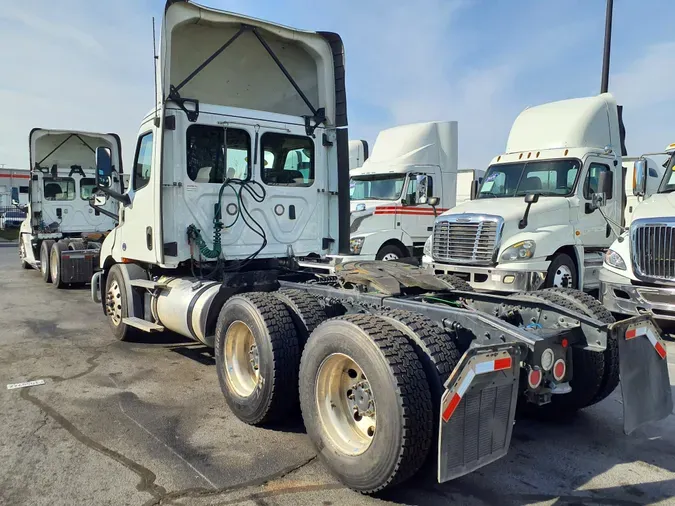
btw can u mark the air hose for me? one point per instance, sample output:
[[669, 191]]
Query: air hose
[[195, 235]]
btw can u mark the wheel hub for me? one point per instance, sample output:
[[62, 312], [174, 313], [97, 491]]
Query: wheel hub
[[563, 277], [113, 303], [241, 359], [346, 404]]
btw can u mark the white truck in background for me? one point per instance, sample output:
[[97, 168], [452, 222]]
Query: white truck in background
[[358, 153], [638, 273], [548, 208], [653, 174], [410, 177], [62, 232]]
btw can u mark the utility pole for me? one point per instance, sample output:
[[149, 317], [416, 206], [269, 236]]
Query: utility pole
[[608, 43]]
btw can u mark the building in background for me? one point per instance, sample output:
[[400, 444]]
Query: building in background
[[13, 185]]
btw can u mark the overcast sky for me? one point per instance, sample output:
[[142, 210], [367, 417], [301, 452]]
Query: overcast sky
[[80, 64]]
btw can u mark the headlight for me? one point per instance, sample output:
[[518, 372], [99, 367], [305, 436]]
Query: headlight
[[523, 250], [613, 259], [427, 246], [356, 244]]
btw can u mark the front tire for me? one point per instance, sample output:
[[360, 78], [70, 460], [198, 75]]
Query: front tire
[[390, 253], [116, 304], [365, 402], [257, 358], [55, 264], [562, 273], [45, 250]]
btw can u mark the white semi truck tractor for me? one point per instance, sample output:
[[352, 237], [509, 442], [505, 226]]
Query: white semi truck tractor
[[62, 232], [241, 171], [639, 269], [548, 208], [391, 214]]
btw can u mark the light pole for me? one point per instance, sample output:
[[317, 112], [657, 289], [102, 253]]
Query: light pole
[[608, 43]]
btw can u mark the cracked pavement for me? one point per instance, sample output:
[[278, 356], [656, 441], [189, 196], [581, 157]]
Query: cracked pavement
[[145, 424]]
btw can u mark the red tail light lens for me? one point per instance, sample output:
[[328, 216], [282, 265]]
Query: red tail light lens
[[559, 369], [534, 378]]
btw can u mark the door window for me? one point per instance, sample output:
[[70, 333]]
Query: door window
[[59, 188], [593, 179], [87, 187], [288, 160], [143, 162], [215, 153]]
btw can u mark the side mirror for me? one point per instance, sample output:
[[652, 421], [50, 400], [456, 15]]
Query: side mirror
[[640, 177], [16, 203], [433, 201], [475, 186], [531, 198], [103, 167]]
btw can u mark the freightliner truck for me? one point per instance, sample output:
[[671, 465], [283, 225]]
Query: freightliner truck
[[241, 171], [62, 232], [537, 221]]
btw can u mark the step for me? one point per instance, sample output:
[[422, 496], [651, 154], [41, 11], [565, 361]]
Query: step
[[143, 325], [146, 283]]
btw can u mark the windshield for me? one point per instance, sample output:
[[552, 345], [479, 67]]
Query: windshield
[[668, 183], [376, 187], [545, 177]]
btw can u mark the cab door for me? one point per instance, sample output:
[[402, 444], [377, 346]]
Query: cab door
[[416, 218], [592, 225]]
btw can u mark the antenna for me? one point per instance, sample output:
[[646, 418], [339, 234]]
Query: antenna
[[154, 54]]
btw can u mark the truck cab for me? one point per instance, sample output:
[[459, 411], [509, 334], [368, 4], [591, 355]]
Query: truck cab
[[411, 168], [638, 273], [544, 212], [62, 186]]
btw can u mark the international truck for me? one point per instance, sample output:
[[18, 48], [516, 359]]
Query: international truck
[[638, 275], [391, 216], [541, 217], [390, 366], [62, 232]]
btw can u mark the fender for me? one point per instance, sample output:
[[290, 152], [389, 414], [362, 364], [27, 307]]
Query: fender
[[134, 300]]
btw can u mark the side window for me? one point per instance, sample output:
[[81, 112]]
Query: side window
[[288, 160], [59, 188], [215, 153], [411, 192], [593, 178], [87, 187], [143, 162]]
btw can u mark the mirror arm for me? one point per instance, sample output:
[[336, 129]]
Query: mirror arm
[[523, 223], [104, 211], [122, 197]]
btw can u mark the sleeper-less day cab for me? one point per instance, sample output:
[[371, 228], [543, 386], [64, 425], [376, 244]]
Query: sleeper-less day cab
[[538, 219], [62, 232], [241, 172]]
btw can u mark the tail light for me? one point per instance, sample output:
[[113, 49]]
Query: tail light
[[559, 369], [534, 378]]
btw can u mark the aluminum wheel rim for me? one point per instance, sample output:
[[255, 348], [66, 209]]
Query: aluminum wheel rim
[[242, 361], [114, 302], [54, 266], [43, 262], [563, 277], [346, 404], [390, 257]]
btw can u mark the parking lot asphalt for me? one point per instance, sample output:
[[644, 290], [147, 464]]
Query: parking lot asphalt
[[145, 423]]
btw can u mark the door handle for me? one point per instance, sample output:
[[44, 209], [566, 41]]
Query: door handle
[[148, 237]]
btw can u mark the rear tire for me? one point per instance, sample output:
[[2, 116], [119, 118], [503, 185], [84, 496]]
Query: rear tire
[[593, 308], [588, 369], [257, 358], [384, 438], [456, 283], [306, 311], [391, 253], [45, 250], [55, 264]]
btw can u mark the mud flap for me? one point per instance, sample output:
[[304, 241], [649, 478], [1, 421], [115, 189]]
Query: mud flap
[[478, 410], [77, 266], [643, 369]]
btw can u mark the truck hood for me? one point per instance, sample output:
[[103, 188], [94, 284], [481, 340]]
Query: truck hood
[[244, 75], [548, 211], [659, 205], [362, 221], [65, 148]]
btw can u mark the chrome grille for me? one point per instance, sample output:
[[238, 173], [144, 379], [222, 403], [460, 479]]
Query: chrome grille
[[653, 253], [467, 238]]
